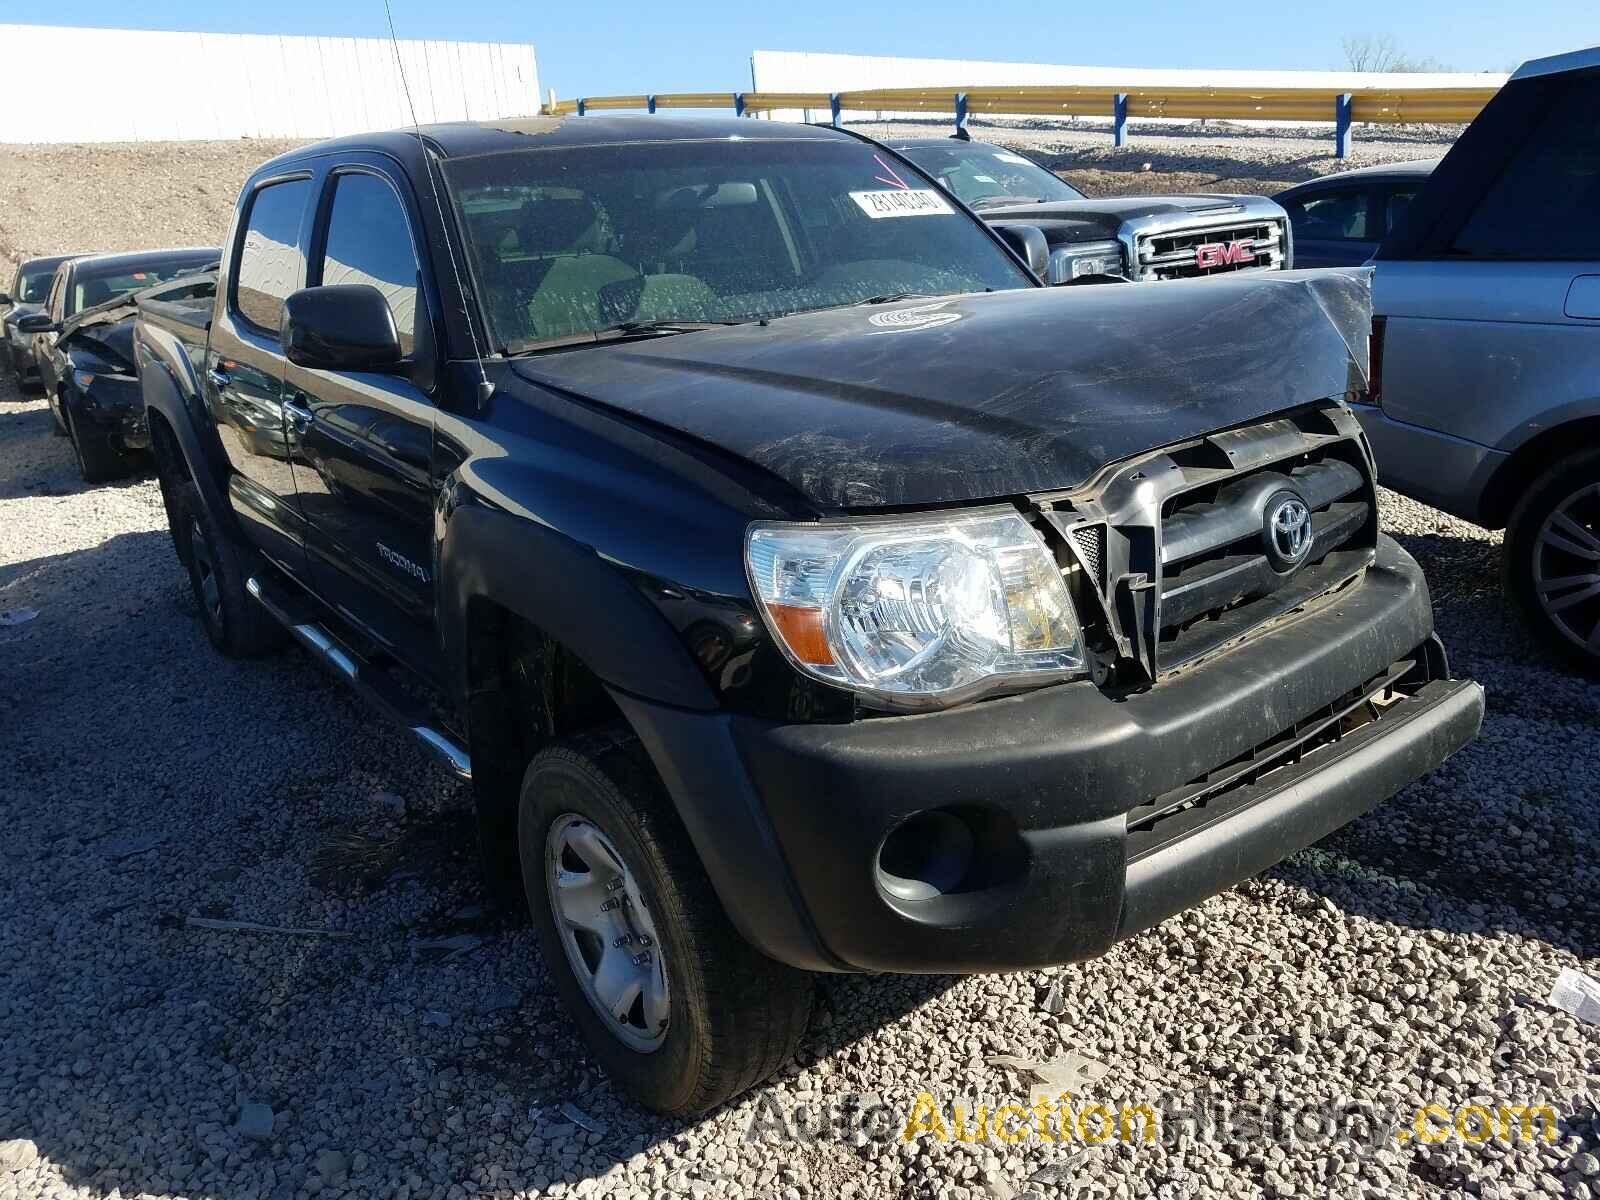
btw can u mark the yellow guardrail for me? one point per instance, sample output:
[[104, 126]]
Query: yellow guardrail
[[1382, 106]]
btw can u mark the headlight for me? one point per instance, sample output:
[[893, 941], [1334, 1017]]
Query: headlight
[[914, 611], [83, 378], [1087, 258]]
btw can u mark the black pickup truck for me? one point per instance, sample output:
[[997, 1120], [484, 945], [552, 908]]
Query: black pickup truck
[[801, 586]]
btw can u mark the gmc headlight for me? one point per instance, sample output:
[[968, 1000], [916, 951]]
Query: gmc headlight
[[1087, 258], [916, 611]]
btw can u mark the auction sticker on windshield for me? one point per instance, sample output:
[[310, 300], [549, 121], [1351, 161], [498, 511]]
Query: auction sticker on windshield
[[902, 202]]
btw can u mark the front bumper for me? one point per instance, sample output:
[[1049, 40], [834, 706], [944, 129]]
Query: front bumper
[[1057, 790], [114, 405]]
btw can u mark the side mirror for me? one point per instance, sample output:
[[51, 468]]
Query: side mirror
[[5, 298], [37, 323], [1030, 245], [343, 327]]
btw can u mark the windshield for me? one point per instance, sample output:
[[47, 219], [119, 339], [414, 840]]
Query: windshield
[[570, 242], [980, 174], [92, 286], [33, 284]]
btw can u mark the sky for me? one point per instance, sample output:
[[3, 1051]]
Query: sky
[[624, 48]]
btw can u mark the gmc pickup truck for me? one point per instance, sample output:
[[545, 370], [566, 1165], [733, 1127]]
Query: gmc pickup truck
[[801, 586], [1140, 239]]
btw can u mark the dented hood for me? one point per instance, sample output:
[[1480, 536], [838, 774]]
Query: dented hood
[[983, 396]]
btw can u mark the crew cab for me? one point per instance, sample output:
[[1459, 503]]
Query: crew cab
[[800, 585], [1135, 238]]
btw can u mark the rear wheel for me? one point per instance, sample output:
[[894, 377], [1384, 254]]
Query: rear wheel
[[58, 408], [98, 460], [235, 623], [1552, 558], [679, 1009]]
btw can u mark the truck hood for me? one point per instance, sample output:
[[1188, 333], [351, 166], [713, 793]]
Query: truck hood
[[1081, 220], [983, 396]]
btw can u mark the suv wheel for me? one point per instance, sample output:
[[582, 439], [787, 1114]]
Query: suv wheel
[[1552, 557], [679, 1009], [235, 623]]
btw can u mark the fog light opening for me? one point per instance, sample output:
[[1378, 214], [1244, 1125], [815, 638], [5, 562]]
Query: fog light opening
[[927, 856]]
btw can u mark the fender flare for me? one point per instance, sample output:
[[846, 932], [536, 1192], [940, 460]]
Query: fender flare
[[171, 389], [571, 594]]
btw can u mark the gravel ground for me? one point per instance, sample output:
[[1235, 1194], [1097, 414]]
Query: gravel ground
[[1402, 962]]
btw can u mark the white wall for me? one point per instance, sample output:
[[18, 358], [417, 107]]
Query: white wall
[[121, 85], [793, 71]]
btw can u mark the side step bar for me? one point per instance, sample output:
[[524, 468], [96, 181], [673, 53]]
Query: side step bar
[[373, 685]]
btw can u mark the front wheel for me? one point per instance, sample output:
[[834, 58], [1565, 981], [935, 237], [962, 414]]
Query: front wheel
[[1552, 558], [98, 460], [679, 1009]]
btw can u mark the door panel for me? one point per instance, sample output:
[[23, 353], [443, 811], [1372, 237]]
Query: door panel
[[1482, 350], [364, 440], [244, 369]]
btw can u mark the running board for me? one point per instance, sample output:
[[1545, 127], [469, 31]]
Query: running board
[[373, 685]]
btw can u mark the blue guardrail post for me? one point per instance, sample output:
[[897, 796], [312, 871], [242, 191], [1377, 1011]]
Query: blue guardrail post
[[1119, 119], [738, 104], [833, 107], [650, 104], [1341, 121], [961, 114], [583, 106]]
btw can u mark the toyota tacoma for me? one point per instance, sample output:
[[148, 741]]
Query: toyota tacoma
[[800, 585]]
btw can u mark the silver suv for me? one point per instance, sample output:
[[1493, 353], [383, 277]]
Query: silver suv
[[1486, 342]]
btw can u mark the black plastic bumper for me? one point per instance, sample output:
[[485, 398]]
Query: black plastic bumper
[[790, 818]]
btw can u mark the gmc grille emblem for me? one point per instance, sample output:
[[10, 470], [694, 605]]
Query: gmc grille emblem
[[1225, 254]]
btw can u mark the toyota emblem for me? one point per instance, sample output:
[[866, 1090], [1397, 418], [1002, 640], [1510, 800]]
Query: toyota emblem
[[1288, 530]]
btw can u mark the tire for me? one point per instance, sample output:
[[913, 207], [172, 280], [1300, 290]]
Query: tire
[[235, 623], [733, 1016], [98, 460], [1552, 558], [58, 423]]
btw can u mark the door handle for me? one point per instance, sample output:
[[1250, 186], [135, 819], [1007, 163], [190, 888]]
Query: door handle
[[218, 379], [299, 416]]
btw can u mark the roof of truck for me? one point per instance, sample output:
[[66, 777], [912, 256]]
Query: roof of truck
[[461, 139]]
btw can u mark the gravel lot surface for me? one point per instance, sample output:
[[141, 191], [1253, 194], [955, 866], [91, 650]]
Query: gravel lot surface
[[409, 1043]]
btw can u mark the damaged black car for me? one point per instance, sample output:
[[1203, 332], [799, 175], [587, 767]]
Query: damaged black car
[[82, 350]]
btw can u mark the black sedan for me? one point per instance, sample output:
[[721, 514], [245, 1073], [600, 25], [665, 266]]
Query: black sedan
[[1340, 219], [30, 288]]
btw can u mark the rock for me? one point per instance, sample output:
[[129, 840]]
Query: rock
[[333, 1166], [436, 1018], [18, 1154], [502, 998], [1586, 1164], [390, 802], [255, 1121]]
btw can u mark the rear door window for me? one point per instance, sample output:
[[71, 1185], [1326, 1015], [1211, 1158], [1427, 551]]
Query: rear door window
[[1338, 216], [1545, 203], [268, 267], [1397, 207], [369, 241]]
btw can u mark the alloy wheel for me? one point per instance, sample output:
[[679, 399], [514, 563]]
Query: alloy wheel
[[1566, 567], [607, 932]]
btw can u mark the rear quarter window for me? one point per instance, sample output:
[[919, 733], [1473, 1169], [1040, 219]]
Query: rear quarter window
[[1339, 216], [268, 266], [1545, 202]]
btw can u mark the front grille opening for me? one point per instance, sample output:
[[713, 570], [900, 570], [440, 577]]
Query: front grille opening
[[1250, 245], [1185, 809]]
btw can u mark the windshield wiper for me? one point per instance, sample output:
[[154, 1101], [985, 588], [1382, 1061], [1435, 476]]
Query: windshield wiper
[[891, 297], [612, 333]]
